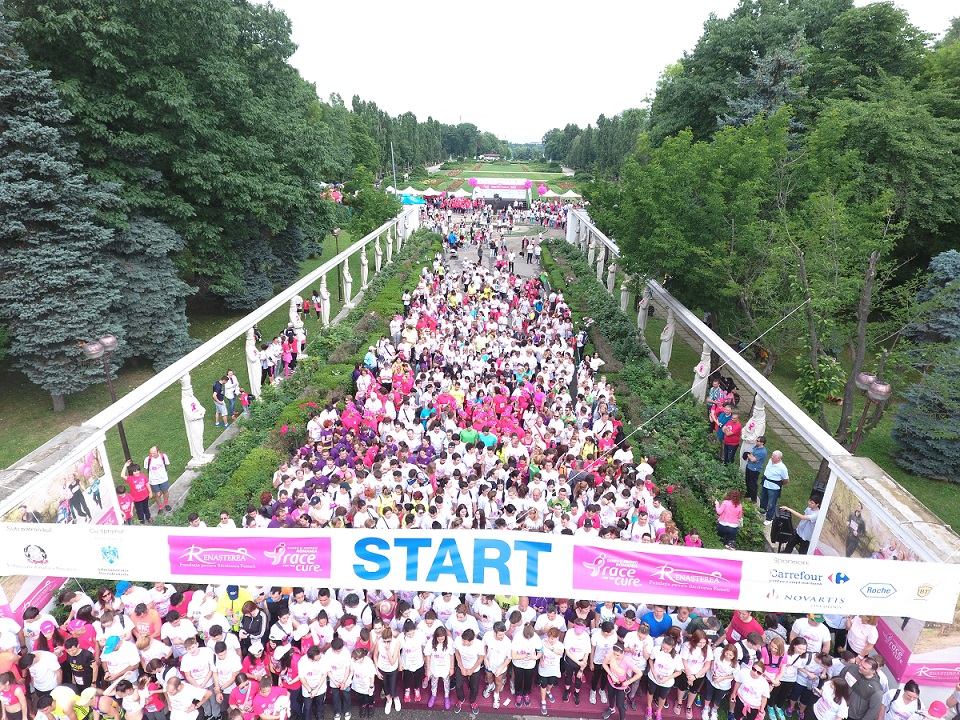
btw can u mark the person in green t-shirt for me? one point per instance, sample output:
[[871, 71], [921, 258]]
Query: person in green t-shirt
[[469, 435]]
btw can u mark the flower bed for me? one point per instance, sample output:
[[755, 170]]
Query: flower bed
[[454, 173]]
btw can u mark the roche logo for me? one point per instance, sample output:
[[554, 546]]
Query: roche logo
[[878, 590]]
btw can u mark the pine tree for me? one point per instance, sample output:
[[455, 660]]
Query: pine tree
[[927, 424], [152, 306], [55, 288]]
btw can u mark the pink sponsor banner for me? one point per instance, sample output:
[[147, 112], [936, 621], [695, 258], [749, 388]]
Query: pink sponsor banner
[[604, 569], [501, 186], [904, 666], [246, 556]]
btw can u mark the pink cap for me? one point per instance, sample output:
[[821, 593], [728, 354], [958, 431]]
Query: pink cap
[[46, 627], [75, 624], [937, 709]]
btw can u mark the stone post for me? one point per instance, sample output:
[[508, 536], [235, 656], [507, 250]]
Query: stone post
[[390, 232], [643, 311], [377, 255], [364, 268], [601, 258], [324, 302], [666, 340], [591, 251], [347, 285], [193, 412], [611, 277], [252, 353], [293, 315], [753, 428], [700, 374], [624, 296]]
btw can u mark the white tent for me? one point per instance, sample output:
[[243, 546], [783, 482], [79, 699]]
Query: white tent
[[410, 191], [460, 193], [391, 189], [571, 194], [550, 194], [430, 192]]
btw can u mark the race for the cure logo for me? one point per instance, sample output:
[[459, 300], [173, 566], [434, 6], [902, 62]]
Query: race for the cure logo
[[606, 569], [469, 560], [251, 557]]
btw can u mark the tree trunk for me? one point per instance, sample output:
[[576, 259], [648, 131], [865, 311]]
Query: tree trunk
[[59, 402], [772, 358], [858, 349]]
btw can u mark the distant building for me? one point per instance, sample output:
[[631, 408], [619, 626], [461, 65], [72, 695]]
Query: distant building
[[489, 157]]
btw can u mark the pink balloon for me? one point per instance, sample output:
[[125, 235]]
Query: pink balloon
[[472, 182], [542, 190]]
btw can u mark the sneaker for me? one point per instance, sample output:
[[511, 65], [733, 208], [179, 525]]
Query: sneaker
[[593, 697], [607, 713], [459, 707], [800, 714], [698, 701], [396, 704], [566, 695], [659, 716], [496, 700], [789, 712], [336, 716], [666, 704], [227, 425], [550, 696], [446, 702], [387, 708], [576, 698], [218, 424], [526, 702], [346, 716], [519, 701], [416, 694], [631, 704], [543, 708], [170, 509], [474, 709], [603, 696], [649, 714], [406, 695], [431, 701], [768, 522], [426, 681], [780, 715], [487, 690]]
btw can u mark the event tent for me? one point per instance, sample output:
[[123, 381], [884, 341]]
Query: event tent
[[549, 194], [430, 192], [460, 193], [571, 194], [391, 189], [411, 191]]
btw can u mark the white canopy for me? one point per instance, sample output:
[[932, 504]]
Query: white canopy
[[391, 189], [571, 194], [430, 192], [550, 194], [410, 191], [460, 193]]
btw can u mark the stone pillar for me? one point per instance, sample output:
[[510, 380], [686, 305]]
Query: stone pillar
[[585, 235], [753, 428], [700, 374], [591, 250], [324, 302], [293, 314], [642, 312], [347, 285], [601, 258], [624, 296], [611, 277], [252, 353], [377, 255], [390, 232], [402, 232], [193, 412], [666, 340], [364, 268]]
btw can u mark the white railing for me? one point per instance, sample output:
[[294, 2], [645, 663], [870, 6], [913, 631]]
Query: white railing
[[928, 537]]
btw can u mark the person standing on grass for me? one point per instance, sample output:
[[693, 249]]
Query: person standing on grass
[[139, 490], [156, 464], [220, 402], [804, 531], [775, 476], [231, 390]]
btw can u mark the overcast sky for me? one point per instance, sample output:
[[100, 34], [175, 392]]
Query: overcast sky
[[516, 69]]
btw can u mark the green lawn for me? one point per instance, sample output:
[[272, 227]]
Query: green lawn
[[27, 420]]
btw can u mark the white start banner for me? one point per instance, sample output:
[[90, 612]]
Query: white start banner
[[493, 562]]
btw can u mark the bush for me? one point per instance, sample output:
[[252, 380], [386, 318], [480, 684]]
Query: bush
[[419, 172], [582, 176]]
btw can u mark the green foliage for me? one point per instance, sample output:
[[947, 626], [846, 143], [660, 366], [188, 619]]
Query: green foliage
[[814, 388], [419, 172], [926, 426], [55, 284], [372, 208]]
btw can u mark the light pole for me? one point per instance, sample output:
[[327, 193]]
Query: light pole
[[336, 238], [103, 349], [874, 390]]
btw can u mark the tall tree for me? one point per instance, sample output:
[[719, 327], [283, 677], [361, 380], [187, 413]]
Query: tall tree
[[55, 288]]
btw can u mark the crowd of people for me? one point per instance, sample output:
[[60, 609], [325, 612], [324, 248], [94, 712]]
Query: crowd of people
[[271, 653], [478, 410]]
